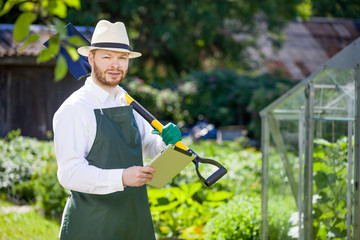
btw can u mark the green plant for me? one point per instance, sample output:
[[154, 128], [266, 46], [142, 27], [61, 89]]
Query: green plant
[[50, 195], [28, 173], [186, 220], [240, 218], [329, 190], [330, 184], [268, 89], [243, 165], [19, 157], [182, 211]]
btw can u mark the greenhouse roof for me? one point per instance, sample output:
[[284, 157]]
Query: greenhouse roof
[[334, 75]]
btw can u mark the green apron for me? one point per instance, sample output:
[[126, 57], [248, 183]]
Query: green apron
[[119, 215]]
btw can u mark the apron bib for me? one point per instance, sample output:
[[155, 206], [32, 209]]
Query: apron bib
[[119, 215]]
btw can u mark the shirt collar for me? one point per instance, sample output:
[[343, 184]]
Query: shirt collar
[[102, 95]]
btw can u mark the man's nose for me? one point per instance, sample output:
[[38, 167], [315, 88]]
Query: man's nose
[[115, 63]]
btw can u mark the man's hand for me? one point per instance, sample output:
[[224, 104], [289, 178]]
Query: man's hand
[[137, 176], [170, 134]]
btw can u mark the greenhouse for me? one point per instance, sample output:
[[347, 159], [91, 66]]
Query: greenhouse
[[310, 154]]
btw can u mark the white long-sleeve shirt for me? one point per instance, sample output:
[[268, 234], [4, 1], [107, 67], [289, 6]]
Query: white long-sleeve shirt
[[74, 127]]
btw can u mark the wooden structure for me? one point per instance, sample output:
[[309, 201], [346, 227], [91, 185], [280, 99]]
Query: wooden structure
[[29, 95]]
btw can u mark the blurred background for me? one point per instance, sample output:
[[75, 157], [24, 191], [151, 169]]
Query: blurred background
[[209, 66]]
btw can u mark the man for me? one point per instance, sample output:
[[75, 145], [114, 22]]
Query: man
[[100, 143]]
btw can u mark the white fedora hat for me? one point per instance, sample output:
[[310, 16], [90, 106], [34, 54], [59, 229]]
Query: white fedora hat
[[109, 36]]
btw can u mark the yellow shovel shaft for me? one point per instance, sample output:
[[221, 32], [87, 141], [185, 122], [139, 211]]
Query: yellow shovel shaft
[[150, 118]]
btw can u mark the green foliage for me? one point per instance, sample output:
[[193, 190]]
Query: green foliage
[[185, 205], [221, 96], [50, 195], [238, 219], [60, 68], [336, 8], [268, 89], [21, 29], [178, 37], [244, 166], [330, 180], [226, 98], [182, 211], [175, 38], [279, 218], [28, 173], [19, 158]]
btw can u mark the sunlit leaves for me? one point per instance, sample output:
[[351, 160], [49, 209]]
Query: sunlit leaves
[[28, 6], [304, 9], [73, 3], [72, 53], [31, 39], [50, 12], [52, 50], [76, 41], [55, 8], [21, 29], [8, 6], [330, 184], [60, 27], [60, 68]]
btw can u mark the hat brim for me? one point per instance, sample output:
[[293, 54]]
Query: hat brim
[[84, 51]]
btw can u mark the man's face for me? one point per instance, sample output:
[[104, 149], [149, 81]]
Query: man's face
[[109, 67]]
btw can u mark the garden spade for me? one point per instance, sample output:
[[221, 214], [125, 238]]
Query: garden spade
[[81, 68]]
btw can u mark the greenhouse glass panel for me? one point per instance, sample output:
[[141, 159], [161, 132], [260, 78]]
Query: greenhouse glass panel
[[310, 146]]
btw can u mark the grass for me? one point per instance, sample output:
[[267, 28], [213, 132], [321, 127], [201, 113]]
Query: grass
[[25, 224]]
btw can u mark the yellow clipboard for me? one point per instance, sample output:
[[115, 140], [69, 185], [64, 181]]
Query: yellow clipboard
[[168, 164]]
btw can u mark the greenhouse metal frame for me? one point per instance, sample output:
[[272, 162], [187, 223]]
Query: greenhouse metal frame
[[310, 147]]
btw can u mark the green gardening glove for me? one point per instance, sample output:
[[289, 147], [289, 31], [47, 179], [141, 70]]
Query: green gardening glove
[[170, 134]]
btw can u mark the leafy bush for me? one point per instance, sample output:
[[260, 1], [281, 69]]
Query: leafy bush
[[243, 165], [329, 191], [241, 219], [184, 207], [19, 158], [330, 180], [28, 173], [238, 219], [268, 89], [221, 96], [50, 195], [182, 211]]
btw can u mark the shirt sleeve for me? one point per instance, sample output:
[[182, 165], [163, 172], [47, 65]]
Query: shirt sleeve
[[71, 140]]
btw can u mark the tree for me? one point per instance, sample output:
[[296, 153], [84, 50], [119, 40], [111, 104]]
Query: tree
[[336, 8], [175, 37]]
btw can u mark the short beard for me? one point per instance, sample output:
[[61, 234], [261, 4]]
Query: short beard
[[101, 77]]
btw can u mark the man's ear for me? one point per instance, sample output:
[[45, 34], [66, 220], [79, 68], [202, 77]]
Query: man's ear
[[91, 59]]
